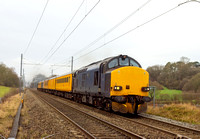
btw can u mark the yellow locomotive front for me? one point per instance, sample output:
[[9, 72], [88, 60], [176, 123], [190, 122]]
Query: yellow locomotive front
[[129, 85]]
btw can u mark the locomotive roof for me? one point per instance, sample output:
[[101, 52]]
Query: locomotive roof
[[91, 66], [94, 65]]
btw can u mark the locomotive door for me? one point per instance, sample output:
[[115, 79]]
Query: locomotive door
[[101, 76]]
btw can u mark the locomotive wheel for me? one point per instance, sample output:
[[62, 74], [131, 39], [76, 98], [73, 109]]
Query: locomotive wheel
[[108, 106]]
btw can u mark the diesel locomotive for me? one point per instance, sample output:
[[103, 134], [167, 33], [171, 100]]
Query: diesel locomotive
[[116, 83]]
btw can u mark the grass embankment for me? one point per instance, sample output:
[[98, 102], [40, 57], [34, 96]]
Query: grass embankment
[[8, 110], [4, 90], [180, 112], [168, 94]]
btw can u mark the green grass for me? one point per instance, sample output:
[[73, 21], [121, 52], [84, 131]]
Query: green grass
[[169, 94], [4, 90]]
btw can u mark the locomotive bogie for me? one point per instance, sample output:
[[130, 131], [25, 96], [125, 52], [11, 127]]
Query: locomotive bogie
[[128, 107]]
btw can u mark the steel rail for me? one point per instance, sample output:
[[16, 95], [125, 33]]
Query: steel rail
[[177, 136], [172, 124], [115, 127], [89, 135]]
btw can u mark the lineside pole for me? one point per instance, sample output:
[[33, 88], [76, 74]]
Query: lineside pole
[[23, 80], [154, 96], [20, 78], [72, 64]]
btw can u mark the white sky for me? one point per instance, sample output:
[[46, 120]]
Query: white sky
[[165, 39]]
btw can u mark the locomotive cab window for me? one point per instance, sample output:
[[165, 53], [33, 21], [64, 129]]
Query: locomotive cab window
[[124, 61], [113, 63], [133, 63]]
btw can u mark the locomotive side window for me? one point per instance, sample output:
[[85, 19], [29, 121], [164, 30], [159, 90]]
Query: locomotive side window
[[133, 63], [96, 78], [123, 61], [113, 63]]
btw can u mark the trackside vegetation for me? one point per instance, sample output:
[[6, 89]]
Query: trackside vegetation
[[8, 110], [180, 112], [4, 90], [8, 76], [167, 93], [182, 75]]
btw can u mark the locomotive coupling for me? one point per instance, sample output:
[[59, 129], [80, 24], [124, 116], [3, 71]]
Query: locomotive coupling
[[119, 99], [146, 99]]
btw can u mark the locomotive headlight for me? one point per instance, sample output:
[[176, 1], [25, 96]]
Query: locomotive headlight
[[117, 88], [145, 89]]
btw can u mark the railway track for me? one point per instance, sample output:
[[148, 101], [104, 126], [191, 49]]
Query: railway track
[[91, 126], [183, 130], [144, 126]]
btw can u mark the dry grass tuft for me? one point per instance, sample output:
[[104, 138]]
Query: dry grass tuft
[[180, 112], [8, 110]]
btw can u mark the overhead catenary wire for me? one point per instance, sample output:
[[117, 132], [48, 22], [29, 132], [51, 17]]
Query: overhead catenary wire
[[29, 43], [131, 30], [114, 27], [138, 27], [111, 29], [63, 30], [31, 64], [72, 31]]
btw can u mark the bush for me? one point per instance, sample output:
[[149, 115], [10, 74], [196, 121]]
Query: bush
[[157, 85], [8, 77], [193, 84]]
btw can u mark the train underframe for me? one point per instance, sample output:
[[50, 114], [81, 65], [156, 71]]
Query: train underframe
[[124, 104]]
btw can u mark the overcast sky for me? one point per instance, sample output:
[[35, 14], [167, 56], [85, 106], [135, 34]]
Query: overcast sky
[[165, 39]]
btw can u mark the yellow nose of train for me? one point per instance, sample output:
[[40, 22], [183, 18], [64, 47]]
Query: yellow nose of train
[[129, 89], [129, 81]]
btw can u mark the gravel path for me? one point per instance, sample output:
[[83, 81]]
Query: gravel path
[[39, 121]]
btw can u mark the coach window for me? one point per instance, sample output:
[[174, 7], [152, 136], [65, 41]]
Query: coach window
[[133, 63], [113, 63], [123, 61], [96, 78]]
